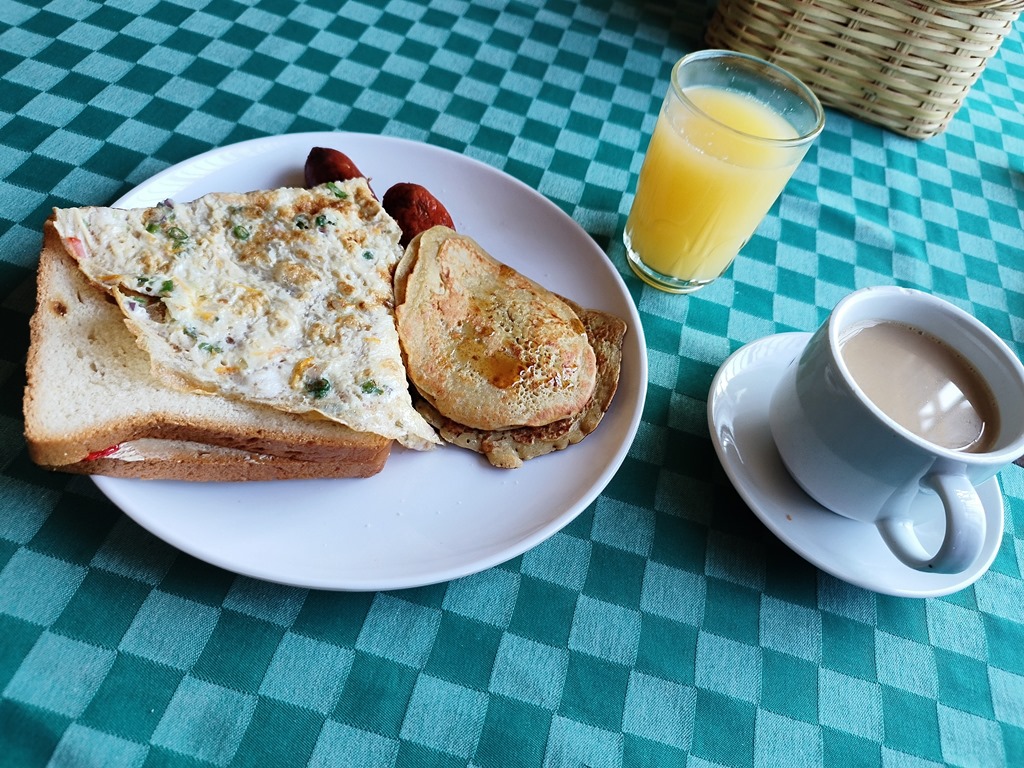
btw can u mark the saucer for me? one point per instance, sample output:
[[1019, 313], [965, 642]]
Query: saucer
[[849, 550]]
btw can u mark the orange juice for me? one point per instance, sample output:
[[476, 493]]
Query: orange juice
[[709, 177]]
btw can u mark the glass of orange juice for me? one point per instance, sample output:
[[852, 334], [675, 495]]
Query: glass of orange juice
[[731, 131]]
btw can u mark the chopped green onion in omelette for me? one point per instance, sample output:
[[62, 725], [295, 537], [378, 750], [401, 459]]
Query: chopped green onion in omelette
[[281, 297]]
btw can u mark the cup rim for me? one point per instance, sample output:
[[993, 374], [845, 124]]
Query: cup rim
[[1003, 454], [798, 85]]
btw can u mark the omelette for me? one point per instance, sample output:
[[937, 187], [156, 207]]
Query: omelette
[[281, 297]]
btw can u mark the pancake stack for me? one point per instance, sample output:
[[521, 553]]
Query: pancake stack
[[501, 365]]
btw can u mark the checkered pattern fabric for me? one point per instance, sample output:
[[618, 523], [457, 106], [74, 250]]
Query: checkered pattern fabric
[[663, 627]]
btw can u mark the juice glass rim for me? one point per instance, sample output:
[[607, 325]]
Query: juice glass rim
[[798, 86]]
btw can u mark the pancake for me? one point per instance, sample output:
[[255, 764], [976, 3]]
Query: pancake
[[509, 448], [487, 347]]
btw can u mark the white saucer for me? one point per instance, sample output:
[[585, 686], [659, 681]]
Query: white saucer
[[849, 550]]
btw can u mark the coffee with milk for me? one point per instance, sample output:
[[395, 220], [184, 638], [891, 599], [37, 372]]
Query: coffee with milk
[[886, 357], [922, 384]]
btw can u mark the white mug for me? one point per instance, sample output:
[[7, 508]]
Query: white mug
[[858, 460]]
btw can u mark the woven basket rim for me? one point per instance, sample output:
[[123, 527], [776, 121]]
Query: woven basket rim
[[977, 5], [904, 64]]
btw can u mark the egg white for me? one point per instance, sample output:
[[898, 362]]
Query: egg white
[[282, 297]]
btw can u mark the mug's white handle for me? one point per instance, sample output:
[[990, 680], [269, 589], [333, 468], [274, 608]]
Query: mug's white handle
[[965, 528]]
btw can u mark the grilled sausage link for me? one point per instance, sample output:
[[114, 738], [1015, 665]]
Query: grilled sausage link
[[415, 209], [324, 164]]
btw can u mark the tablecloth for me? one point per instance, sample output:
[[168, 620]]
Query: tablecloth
[[665, 625]]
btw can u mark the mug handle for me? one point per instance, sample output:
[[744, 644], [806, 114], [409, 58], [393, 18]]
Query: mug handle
[[965, 528]]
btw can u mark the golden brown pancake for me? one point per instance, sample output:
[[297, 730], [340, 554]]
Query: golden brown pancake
[[509, 448], [487, 347]]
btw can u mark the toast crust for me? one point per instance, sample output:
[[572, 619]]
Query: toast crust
[[151, 459]]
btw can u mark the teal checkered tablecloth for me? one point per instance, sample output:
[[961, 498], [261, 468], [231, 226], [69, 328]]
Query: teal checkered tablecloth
[[664, 626]]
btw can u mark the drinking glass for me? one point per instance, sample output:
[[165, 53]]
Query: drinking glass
[[731, 131]]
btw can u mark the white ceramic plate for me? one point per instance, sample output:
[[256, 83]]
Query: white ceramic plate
[[849, 550], [427, 517]]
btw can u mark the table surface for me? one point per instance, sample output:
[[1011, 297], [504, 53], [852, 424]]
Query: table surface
[[665, 625]]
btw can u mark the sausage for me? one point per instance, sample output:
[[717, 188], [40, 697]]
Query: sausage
[[324, 164], [415, 209]]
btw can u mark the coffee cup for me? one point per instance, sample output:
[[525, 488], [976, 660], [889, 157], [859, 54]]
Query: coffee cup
[[898, 394]]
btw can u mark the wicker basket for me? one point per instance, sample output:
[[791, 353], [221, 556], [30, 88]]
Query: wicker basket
[[904, 65]]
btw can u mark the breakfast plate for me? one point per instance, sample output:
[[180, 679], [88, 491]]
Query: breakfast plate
[[849, 550], [432, 516]]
